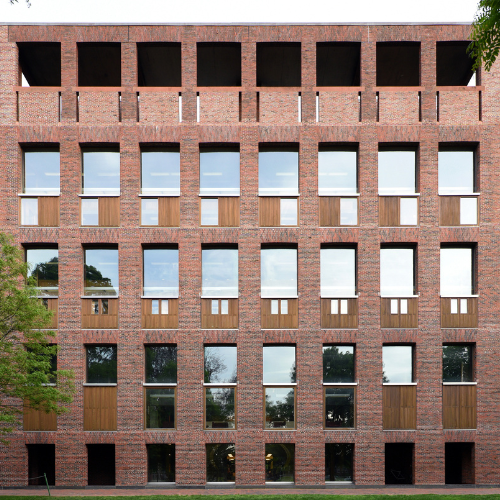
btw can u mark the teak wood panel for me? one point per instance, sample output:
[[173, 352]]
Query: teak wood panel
[[38, 420], [388, 210], [349, 320], [99, 408], [109, 211], [229, 211], [48, 211], [169, 211], [459, 406], [399, 407], [329, 211], [270, 321], [409, 320], [449, 210], [160, 321], [100, 321], [222, 321], [52, 305], [269, 211], [459, 320]]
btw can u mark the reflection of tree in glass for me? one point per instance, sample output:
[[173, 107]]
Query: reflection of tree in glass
[[101, 364], [93, 277], [161, 364], [457, 363], [338, 366], [215, 366], [280, 462], [293, 373], [161, 463], [281, 410], [220, 404], [45, 272], [339, 407], [220, 462]]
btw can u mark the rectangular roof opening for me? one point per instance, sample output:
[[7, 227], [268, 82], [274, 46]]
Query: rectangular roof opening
[[398, 64], [159, 64], [453, 64], [40, 64], [278, 64], [338, 64], [219, 64], [99, 64]]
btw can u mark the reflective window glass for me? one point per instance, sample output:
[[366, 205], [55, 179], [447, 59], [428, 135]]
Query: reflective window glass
[[279, 364], [348, 211], [220, 407], [457, 363], [44, 269], [161, 272], [339, 407], [278, 272], [468, 211], [338, 364], [219, 272], [456, 272], [161, 463], [219, 171], [397, 364], [396, 172], [29, 211], [339, 460], [280, 462], [456, 172], [101, 271], [220, 364], [161, 364], [209, 212], [337, 172], [408, 211], [101, 172], [41, 172], [338, 272], [160, 172], [278, 172], [101, 364], [288, 212], [90, 212], [220, 463], [149, 211], [397, 272], [160, 408], [280, 407]]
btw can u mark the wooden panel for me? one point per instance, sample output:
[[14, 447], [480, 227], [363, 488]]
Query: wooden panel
[[52, 305], [99, 408], [269, 211], [459, 320], [388, 211], [449, 210], [272, 321], [229, 211], [329, 211], [38, 420], [100, 321], [399, 407], [109, 211], [349, 320], [48, 211], [459, 406], [221, 321], [409, 320], [169, 211], [160, 321]]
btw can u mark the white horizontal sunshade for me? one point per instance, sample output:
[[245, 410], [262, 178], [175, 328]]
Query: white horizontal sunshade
[[456, 172], [278, 267], [219, 173], [219, 272], [337, 173], [396, 172], [396, 272], [160, 173], [338, 272], [456, 272], [278, 173]]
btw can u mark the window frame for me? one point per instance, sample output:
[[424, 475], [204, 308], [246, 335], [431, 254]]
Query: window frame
[[413, 364], [472, 355], [39, 289], [414, 269], [219, 148], [474, 266], [39, 148], [399, 147], [175, 293], [116, 289], [101, 384], [462, 147], [203, 295], [288, 295], [100, 148], [278, 147], [339, 148], [169, 148], [346, 295]]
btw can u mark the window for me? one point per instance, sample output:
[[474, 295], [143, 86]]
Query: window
[[161, 364], [219, 272], [161, 272], [397, 272], [338, 64], [220, 463], [161, 463], [279, 386], [456, 172], [159, 64], [101, 172], [101, 271], [101, 365], [41, 171], [40, 64], [29, 211], [44, 270], [278, 272], [456, 272], [218, 64], [219, 171], [454, 64], [457, 363], [99, 64], [398, 64], [337, 171], [220, 369], [339, 462], [278, 170], [278, 64], [338, 364], [160, 171], [338, 272], [398, 364], [396, 171], [280, 462]]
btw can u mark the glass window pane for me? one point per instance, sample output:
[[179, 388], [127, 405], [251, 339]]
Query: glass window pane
[[224, 307], [288, 212], [164, 306], [215, 307], [339, 407], [101, 364], [219, 172], [457, 363], [161, 272], [219, 407], [456, 172], [209, 212], [339, 462], [44, 269], [279, 364], [468, 211], [220, 463], [101, 271], [161, 364], [456, 272], [160, 408], [155, 307], [101, 172], [280, 462], [398, 364], [275, 308], [41, 172], [29, 211], [278, 173], [408, 210], [338, 364], [348, 211], [90, 212], [284, 306], [161, 463], [278, 272], [219, 272], [338, 272], [396, 172], [337, 172], [280, 407], [160, 172], [149, 212], [396, 272], [220, 364]]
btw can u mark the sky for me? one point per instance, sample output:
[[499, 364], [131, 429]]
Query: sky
[[238, 11]]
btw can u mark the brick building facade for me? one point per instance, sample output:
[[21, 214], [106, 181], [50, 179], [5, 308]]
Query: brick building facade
[[377, 109]]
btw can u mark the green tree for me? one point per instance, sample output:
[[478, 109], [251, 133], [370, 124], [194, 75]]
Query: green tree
[[485, 34], [26, 354]]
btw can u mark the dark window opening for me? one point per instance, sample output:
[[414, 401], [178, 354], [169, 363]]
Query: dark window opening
[[159, 64], [41, 460], [399, 463], [278, 64], [339, 462], [99, 65], [453, 64], [161, 463], [40, 64], [398, 64], [338, 64], [101, 464], [220, 463], [280, 462], [219, 64], [459, 463]]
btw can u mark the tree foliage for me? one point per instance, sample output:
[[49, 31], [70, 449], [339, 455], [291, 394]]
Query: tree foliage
[[28, 3], [26, 353], [485, 34]]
